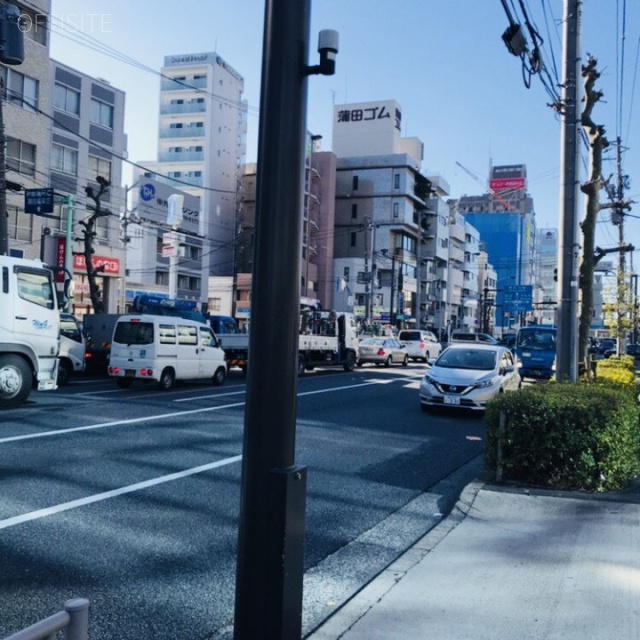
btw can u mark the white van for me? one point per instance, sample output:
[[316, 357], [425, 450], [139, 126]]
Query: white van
[[164, 349], [72, 348], [421, 345]]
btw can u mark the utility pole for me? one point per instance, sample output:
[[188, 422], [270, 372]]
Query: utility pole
[[567, 361], [270, 565], [620, 280]]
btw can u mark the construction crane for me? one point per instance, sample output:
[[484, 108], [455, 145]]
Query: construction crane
[[495, 194]]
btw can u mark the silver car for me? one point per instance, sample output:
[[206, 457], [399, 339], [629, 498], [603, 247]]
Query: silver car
[[385, 351], [467, 376]]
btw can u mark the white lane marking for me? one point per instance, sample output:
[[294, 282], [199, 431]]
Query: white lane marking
[[98, 497], [116, 423], [211, 395]]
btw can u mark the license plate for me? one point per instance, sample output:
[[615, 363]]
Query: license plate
[[451, 400], [130, 373]]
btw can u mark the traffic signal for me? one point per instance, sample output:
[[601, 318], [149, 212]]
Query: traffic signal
[[11, 35], [555, 274]]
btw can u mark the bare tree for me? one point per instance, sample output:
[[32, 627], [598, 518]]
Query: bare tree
[[597, 143], [591, 254], [88, 236]]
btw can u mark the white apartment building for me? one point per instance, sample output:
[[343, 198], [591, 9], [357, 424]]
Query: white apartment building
[[400, 255], [201, 150]]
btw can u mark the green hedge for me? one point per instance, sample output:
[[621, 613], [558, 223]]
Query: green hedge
[[568, 436]]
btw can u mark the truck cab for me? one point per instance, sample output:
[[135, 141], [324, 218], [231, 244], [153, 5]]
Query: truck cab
[[29, 330]]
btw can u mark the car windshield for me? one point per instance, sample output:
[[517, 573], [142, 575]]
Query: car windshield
[[482, 360], [537, 339]]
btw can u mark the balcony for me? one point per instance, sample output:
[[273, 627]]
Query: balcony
[[181, 156], [184, 132], [183, 85], [187, 107]]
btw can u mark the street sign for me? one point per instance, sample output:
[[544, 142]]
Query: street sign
[[518, 297], [38, 201]]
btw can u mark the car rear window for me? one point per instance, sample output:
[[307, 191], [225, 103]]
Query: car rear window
[[133, 333], [410, 335]]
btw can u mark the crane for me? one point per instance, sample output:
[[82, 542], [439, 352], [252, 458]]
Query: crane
[[491, 191]]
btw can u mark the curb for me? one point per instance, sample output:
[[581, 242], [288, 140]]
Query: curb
[[357, 607]]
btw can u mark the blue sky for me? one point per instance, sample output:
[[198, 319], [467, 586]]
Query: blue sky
[[444, 61]]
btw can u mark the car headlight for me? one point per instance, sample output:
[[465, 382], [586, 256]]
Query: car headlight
[[429, 380], [487, 382]]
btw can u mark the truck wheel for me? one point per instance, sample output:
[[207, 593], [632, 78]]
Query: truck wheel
[[124, 383], [219, 376], [350, 362], [65, 369], [301, 365], [16, 381], [167, 379]]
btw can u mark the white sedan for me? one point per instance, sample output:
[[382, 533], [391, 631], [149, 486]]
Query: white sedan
[[467, 376], [385, 351]]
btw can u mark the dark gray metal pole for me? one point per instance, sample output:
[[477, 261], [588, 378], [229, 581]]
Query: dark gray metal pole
[[567, 355], [268, 603], [4, 220]]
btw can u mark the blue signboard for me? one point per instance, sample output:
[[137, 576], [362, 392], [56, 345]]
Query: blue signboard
[[518, 297]]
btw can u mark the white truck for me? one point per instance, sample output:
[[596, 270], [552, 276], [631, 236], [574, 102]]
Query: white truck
[[327, 338], [29, 330]]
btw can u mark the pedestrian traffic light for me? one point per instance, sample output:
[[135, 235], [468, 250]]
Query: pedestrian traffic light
[[11, 35]]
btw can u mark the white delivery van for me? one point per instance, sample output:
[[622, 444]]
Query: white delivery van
[[164, 349]]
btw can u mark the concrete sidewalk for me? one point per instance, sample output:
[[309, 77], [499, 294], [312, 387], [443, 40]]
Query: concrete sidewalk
[[507, 564]]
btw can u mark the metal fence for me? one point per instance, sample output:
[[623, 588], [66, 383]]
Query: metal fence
[[74, 620]]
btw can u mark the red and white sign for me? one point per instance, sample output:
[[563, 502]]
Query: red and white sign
[[506, 184], [111, 265]]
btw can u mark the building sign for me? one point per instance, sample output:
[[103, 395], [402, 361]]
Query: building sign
[[111, 265], [153, 205], [38, 201], [60, 253], [508, 178], [369, 112]]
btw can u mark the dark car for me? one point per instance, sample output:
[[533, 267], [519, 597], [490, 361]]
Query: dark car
[[634, 350], [607, 347]]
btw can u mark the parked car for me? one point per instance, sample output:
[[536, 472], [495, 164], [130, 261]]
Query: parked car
[[472, 336], [421, 345], [467, 376], [607, 347], [385, 351], [634, 350]]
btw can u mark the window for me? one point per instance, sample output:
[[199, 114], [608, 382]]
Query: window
[[345, 274], [66, 99], [355, 183], [396, 209], [64, 159], [101, 113], [207, 339], [353, 239], [396, 180], [187, 335], [215, 304], [35, 287], [162, 277], [175, 125], [189, 283], [20, 90], [99, 167], [21, 157], [354, 211], [197, 125], [167, 334]]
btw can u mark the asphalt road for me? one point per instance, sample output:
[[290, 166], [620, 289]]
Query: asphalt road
[[130, 498]]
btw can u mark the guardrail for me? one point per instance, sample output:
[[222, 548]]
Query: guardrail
[[74, 620]]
